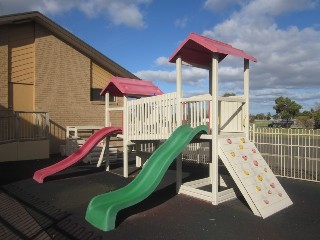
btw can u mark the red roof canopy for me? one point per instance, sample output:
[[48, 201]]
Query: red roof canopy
[[119, 86], [197, 49]]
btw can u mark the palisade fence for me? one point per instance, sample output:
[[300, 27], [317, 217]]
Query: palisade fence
[[24, 126], [292, 153]]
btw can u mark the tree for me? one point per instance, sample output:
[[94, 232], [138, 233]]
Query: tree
[[261, 116], [286, 108], [317, 107], [252, 118], [317, 120], [304, 121], [269, 116]]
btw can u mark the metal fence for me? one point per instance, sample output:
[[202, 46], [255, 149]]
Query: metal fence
[[292, 153], [21, 126]]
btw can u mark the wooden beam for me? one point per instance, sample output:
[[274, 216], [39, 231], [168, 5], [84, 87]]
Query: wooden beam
[[214, 91], [246, 96]]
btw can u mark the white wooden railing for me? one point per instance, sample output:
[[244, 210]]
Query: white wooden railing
[[231, 114], [152, 118], [196, 111], [156, 117]]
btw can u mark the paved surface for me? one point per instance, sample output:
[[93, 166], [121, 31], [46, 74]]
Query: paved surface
[[58, 207]]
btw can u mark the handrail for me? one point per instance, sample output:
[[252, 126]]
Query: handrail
[[24, 125]]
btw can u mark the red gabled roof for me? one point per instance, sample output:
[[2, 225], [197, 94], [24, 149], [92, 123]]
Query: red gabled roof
[[197, 49], [119, 86]]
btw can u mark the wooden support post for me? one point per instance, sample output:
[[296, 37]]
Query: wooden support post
[[246, 96], [214, 91], [179, 119], [125, 138], [106, 141], [107, 112], [105, 149]]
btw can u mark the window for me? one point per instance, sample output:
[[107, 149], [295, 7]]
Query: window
[[95, 95]]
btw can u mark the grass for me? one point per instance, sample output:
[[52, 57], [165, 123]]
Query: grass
[[261, 123]]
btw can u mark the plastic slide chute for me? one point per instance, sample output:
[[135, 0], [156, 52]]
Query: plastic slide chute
[[102, 209], [91, 142]]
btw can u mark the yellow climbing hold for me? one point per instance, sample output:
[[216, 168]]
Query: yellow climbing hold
[[258, 188], [246, 173], [260, 178]]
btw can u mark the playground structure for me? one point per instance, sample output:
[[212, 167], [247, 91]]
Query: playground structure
[[149, 121]]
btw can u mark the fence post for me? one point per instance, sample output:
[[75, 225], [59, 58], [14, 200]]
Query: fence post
[[254, 133]]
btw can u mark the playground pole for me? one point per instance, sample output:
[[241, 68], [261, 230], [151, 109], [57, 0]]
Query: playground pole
[[214, 91], [179, 119], [246, 96]]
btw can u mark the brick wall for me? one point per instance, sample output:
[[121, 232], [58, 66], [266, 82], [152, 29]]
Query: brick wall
[[62, 80], [3, 68]]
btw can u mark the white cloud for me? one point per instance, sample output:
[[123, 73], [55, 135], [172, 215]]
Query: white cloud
[[119, 12], [163, 61], [190, 76], [288, 58], [181, 22]]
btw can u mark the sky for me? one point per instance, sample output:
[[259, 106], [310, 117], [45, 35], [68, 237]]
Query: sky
[[140, 35]]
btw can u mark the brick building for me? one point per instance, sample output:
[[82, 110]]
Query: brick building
[[44, 67]]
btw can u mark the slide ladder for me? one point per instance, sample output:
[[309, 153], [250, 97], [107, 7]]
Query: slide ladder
[[254, 178], [103, 209], [91, 142]]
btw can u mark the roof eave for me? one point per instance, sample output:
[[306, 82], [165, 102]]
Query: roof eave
[[59, 31]]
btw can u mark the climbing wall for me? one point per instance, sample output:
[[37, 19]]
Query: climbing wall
[[257, 183]]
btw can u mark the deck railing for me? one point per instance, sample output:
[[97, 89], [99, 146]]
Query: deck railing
[[156, 117], [196, 111], [21, 126], [152, 118]]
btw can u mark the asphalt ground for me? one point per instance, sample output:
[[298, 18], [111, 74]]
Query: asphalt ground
[[56, 209]]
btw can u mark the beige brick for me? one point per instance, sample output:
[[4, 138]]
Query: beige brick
[[63, 87], [3, 69]]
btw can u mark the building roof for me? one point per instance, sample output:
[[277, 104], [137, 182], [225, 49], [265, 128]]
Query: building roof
[[197, 50], [131, 87], [68, 37]]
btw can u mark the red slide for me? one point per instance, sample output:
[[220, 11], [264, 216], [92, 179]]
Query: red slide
[[91, 142]]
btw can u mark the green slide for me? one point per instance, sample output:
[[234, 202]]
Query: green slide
[[103, 209]]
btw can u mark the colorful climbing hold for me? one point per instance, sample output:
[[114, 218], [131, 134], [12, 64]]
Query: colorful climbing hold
[[245, 157], [233, 154], [260, 178], [272, 185], [243, 140], [269, 192], [255, 162], [229, 141], [254, 150], [258, 188], [265, 169], [241, 147], [266, 201], [246, 173]]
